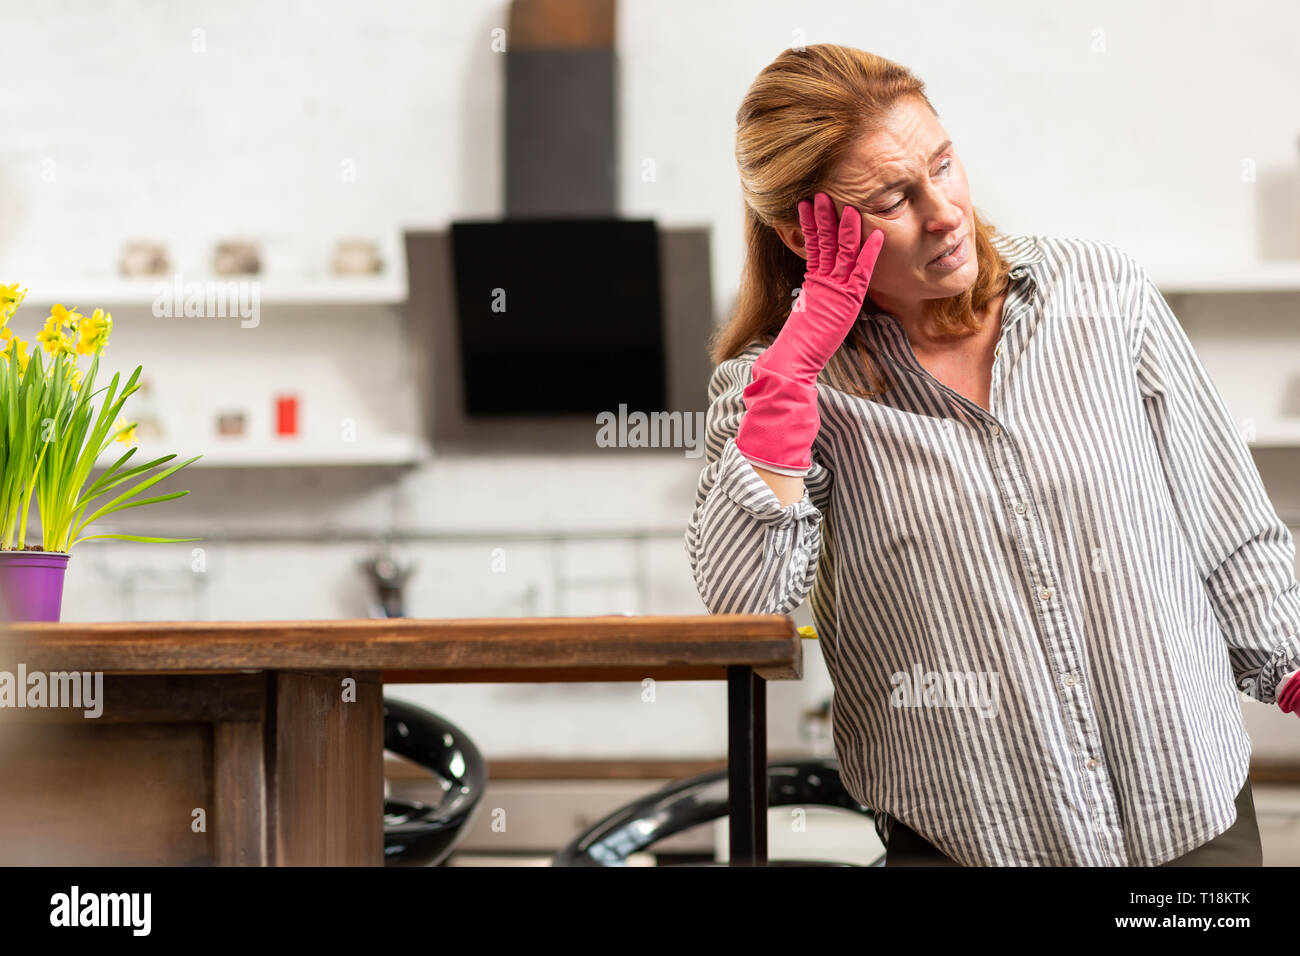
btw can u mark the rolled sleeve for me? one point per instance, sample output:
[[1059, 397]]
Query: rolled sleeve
[[747, 552]]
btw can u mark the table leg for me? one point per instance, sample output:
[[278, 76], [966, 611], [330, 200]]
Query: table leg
[[325, 785], [747, 766]]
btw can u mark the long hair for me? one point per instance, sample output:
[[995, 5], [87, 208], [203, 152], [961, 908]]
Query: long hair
[[800, 118]]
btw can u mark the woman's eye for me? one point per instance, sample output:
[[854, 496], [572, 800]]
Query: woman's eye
[[944, 168]]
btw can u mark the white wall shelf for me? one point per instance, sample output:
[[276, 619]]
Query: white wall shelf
[[110, 292], [1276, 435], [385, 450], [1275, 276]]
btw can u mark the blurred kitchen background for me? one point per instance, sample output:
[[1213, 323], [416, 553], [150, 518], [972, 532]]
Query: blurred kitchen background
[[331, 146]]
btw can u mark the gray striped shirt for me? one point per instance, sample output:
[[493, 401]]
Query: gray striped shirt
[[1036, 618]]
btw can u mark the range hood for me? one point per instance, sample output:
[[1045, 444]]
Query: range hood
[[560, 128]]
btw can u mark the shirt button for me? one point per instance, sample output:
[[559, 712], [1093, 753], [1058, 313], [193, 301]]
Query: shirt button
[[1044, 593], [1093, 763], [996, 431], [1069, 680], [1021, 509]]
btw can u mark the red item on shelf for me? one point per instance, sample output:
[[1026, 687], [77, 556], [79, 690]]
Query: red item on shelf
[[286, 415]]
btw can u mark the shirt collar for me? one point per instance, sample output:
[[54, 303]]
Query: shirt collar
[[1021, 253]]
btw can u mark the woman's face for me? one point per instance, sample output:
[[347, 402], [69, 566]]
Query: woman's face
[[906, 180]]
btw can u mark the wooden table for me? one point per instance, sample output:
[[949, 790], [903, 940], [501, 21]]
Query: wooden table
[[261, 743]]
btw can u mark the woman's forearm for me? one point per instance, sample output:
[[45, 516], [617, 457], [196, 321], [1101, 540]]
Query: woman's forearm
[[787, 488]]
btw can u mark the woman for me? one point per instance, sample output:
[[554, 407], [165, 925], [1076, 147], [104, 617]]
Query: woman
[[1037, 548]]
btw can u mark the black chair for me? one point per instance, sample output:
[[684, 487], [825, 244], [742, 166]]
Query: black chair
[[702, 799], [419, 834]]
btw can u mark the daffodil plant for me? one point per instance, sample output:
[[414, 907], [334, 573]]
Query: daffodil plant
[[51, 435]]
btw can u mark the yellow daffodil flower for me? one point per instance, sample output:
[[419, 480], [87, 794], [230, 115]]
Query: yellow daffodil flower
[[52, 338], [10, 299], [66, 317], [127, 437], [93, 332], [7, 352]]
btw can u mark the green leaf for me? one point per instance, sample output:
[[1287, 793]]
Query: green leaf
[[137, 537], [92, 493], [112, 507]]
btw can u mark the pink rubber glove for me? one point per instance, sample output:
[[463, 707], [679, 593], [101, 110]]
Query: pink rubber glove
[[1289, 697], [781, 420]]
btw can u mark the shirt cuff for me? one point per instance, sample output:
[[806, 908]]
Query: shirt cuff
[[779, 469]]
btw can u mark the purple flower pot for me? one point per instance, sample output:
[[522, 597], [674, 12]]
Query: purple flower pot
[[31, 585]]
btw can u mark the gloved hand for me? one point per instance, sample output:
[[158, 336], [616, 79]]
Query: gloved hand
[[1288, 698], [781, 420]]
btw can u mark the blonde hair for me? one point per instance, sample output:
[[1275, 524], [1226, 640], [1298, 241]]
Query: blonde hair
[[799, 119]]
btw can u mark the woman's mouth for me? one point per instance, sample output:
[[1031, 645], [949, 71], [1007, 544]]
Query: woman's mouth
[[951, 257]]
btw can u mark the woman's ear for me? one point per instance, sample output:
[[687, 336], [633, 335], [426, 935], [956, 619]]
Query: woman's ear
[[792, 236]]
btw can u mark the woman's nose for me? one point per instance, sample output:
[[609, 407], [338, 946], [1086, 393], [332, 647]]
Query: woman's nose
[[942, 209]]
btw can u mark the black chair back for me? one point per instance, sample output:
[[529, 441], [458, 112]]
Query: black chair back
[[420, 834], [703, 799]]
